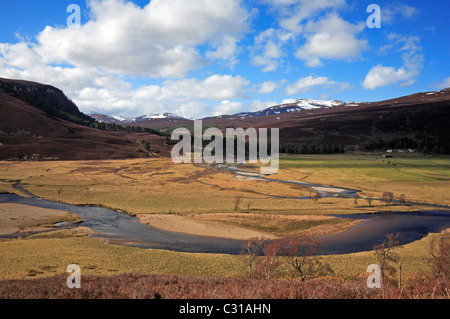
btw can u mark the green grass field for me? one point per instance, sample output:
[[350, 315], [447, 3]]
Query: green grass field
[[421, 178]]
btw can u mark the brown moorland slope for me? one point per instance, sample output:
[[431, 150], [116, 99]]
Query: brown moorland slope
[[420, 119], [418, 116], [421, 113], [39, 122], [28, 132]]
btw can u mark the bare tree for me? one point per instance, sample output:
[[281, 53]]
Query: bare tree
[[388, 197], [251, 248], [249, 204], [440, 253], [237, 201], [302, 252], [369, 200], [402, 199], [316, 197], [355, 199], [271, 259], [386, 255]]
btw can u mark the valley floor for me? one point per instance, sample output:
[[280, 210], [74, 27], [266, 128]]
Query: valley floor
[[205, 201]]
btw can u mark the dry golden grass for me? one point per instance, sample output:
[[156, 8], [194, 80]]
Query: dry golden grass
[[280, 225], [47, 254], [7, 186], [17, 217], [158, 186], [415, 257], [142, 186], [210, 226]]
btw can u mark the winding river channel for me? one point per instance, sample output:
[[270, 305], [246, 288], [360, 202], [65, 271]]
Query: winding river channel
[[119, 228]]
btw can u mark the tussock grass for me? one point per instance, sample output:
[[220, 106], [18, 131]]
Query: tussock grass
[[158, 186], [144, 186], [47, 254], [281, 225]]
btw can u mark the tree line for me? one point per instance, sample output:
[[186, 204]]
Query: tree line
[[117, 127], [310, 148], [435, 141]]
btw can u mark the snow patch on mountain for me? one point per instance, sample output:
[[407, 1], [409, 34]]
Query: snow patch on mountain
[[293, 106], [127, 120]]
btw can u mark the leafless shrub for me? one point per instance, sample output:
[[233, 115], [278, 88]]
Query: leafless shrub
[[402, 199], [237, 201], [355, 199], [251, 248], [440, 252], [387, 197], [249, 204], [302, 252], [369, 199], [316, 197], [271, 260], [386, 256]]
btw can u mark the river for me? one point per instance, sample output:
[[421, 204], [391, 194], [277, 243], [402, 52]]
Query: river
[[116, 227]]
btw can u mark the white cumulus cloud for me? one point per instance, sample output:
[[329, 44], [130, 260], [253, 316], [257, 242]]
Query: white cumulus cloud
[[267, 87], [308, 83], [444, 84], [158, 40], [293, 13], [188, 96], [268, 49], [394, 10], [228, 107], [331, 38], [380, 75], [258, 105]]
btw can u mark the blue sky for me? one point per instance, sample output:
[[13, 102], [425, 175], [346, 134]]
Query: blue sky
[[210, 57]]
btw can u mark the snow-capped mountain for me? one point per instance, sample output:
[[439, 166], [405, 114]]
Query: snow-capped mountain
[[128, 120], [287, 106], [165, 115], [106, 118], [297, 105]]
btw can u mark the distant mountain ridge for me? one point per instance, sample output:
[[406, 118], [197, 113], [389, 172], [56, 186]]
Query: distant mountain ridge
[[297, 105], [131, 120], [39, 122]]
